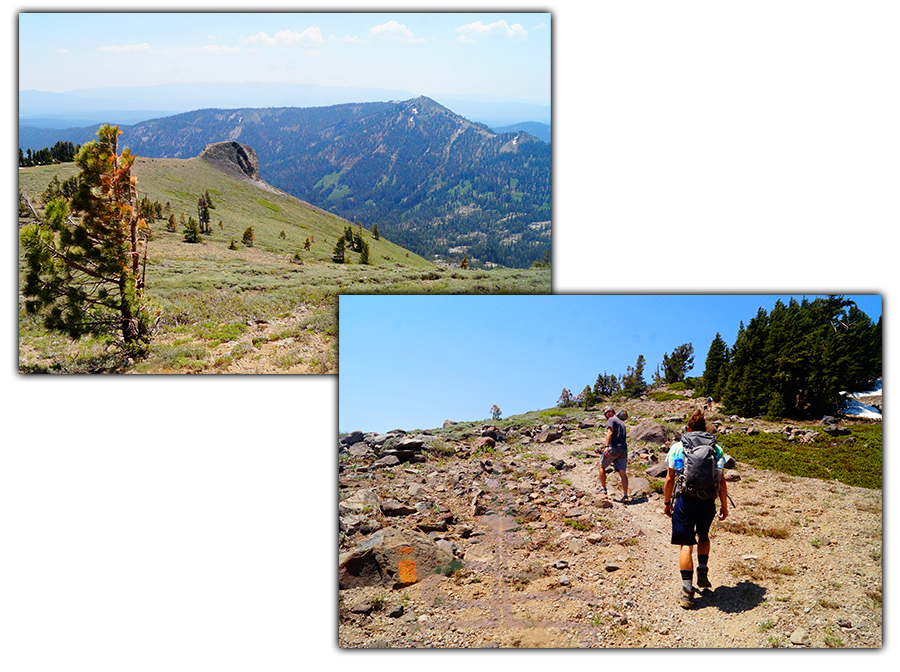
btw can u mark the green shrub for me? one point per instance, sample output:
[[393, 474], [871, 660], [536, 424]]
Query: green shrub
[[552, 413], [664, 396], [582, 525], [856, 462]]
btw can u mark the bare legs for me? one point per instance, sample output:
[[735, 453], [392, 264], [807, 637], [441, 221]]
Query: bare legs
[[686, 560], [622, 475]]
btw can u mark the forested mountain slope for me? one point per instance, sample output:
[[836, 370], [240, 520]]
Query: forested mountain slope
[[431, 180]]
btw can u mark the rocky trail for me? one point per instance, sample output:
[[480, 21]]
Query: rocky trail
[[509, 545]]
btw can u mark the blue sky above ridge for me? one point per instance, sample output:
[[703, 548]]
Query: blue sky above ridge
[[476, 55]]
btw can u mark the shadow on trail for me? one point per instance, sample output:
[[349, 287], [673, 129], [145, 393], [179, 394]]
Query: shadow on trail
[[732, 599], [639, 498]]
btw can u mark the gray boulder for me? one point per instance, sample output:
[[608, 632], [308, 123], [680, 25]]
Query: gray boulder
[[352, 438], [361, 501], [649, 431], [547, 435], [657, 470], [393, 558]]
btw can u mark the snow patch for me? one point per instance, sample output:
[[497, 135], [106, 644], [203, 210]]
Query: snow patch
[[853, 406]]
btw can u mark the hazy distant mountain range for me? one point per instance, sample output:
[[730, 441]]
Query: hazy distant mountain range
[[134, 104]]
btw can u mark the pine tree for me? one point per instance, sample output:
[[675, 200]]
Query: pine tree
[[585, 398], [676, 366], [364, 254], [247, 238], [203, 214], [605, 386], [87, 276], [339, 251], [375, 233], [632, 382], [192, 231], [795, 361], [715, 372], [495, 412]]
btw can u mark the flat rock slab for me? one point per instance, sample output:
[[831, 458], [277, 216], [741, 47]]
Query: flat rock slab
[[498, 523]]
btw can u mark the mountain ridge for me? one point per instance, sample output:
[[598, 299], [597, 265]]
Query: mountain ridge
[[432, 180], [169, 99]]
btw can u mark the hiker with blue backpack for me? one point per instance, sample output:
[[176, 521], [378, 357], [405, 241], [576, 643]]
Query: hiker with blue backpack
[[695, 478]]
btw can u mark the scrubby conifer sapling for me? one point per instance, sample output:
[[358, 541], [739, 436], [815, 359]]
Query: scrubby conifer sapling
[[85, 275]]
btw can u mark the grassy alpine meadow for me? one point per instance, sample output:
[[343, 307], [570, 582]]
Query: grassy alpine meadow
[[229, 304]]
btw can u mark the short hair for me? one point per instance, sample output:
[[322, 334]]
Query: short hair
[[697, 423]]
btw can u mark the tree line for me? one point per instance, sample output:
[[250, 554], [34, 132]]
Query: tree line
[[61, 152], [794, 362]]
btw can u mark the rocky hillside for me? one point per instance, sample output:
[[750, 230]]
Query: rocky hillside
[[495, 536]]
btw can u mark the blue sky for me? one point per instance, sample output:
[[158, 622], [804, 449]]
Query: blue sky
[[411, 362], [491, 54]]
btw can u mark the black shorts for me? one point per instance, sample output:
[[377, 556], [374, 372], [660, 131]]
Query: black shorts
[[691, 518]]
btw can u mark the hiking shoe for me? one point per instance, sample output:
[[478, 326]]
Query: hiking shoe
[[687, 599], [623, 499], [602, 491], [703, 577]]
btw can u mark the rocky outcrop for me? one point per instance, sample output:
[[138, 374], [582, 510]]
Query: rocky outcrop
[[234, 159]]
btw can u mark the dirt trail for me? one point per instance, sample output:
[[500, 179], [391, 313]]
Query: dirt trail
[[553, 567]]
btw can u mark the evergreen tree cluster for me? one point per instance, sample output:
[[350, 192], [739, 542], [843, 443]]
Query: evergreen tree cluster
[[352, 241], [605, 386], [795, 361], [61, 152], [631, 384]]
